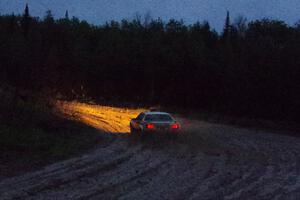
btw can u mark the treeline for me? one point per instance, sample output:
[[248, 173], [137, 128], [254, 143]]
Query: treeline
[[250, 69]]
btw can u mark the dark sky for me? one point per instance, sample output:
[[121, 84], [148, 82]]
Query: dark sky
[[99, 11]]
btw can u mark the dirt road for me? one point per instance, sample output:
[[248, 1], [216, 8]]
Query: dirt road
[[209, 161]]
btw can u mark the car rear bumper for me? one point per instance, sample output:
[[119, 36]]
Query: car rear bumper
[[162, 131]]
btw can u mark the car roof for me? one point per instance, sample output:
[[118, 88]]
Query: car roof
[[156, 113]]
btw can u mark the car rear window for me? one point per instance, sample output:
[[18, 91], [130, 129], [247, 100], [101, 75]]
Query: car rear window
[[158, 117], [140, 117]]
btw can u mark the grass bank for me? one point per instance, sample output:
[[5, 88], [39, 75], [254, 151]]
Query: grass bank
[[32, 135]]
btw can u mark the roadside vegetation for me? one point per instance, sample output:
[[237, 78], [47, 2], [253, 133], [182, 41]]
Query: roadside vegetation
[[32, 134]]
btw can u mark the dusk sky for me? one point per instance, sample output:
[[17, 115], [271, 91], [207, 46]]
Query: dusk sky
[[99, 11]]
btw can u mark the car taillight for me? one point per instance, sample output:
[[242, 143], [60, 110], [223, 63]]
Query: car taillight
[[174, 126], [150, 126]]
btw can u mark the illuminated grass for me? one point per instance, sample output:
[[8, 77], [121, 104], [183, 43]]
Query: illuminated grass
[[108, 119]]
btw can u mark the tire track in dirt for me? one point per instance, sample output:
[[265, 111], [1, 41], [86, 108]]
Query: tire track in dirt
[[67, 172]]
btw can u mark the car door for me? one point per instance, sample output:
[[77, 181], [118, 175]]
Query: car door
[[138, 121]]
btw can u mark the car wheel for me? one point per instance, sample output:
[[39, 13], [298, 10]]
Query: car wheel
[[132, 130]]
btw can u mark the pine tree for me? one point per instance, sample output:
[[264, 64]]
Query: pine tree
[[67, 15], [26, 21], [227, 27], [49, 17], [26, 12]]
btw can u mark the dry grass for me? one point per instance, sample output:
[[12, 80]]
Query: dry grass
[[108, 119]]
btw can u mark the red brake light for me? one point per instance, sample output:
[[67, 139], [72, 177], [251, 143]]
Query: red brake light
[[175, 126], [150, 126]]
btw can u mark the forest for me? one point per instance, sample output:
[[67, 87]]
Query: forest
[[250, 69]]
